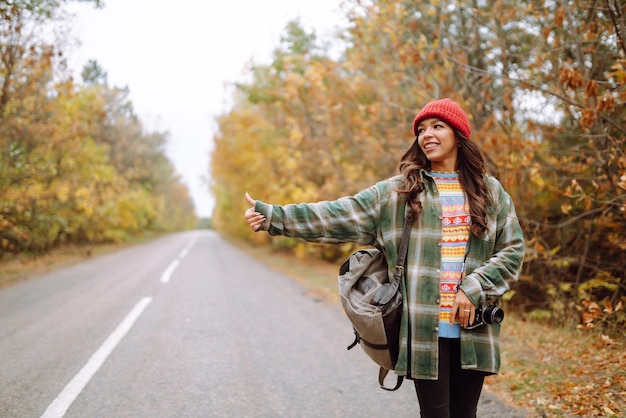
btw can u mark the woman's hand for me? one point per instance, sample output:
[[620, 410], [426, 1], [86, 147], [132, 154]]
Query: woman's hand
[[254, 218], [463, 308]]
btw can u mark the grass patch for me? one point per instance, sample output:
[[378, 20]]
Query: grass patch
[[558, 372]]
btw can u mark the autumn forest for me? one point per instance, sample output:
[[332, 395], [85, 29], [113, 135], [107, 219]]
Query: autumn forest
[[544, 83], [76, 164]]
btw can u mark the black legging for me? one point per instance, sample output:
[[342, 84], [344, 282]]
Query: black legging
[[456, 393]]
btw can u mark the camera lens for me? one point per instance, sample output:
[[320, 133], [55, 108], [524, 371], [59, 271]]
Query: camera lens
[[493, 315]]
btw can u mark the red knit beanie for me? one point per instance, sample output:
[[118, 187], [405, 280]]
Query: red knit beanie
[[447, 111]]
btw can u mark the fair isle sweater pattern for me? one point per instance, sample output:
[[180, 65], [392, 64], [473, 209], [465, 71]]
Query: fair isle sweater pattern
[[456, 221]]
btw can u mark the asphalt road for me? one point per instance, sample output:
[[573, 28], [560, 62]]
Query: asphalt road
[[185, 326]]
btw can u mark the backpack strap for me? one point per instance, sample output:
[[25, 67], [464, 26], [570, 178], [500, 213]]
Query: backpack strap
[[382, 373], [399, 267], [404, 244]]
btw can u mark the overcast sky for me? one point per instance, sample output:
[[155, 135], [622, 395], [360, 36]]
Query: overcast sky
[[178, 56]]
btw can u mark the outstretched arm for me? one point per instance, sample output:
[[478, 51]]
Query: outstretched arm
[[347, 219]]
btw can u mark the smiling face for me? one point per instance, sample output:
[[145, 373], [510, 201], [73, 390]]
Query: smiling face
[[438, 141]]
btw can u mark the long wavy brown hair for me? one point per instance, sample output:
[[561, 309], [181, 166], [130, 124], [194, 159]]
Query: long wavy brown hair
[[471, 167]]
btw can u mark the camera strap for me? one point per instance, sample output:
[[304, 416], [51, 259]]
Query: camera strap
[[463, 266]]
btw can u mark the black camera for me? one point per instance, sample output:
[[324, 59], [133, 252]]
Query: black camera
[[487, 314]]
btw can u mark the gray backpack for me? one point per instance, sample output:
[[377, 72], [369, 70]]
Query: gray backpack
[[373, 303]]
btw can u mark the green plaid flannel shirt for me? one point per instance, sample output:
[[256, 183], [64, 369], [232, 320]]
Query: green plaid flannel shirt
[[374, 217]]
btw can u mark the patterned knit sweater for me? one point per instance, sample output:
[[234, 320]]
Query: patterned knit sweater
[[455, 234]]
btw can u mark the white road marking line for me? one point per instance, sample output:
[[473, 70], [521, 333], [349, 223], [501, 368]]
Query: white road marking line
[[60, 405], [165, 277], [185, 251]]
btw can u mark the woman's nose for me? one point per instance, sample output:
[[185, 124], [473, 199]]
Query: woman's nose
[[427, 132]]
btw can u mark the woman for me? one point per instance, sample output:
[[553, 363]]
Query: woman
[[466, 249]]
